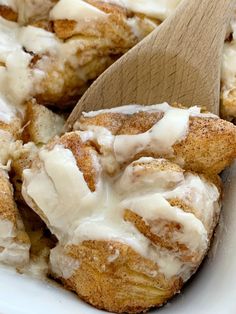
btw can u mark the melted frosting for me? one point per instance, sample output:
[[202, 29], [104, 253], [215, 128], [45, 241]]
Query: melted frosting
[[13, 253], [7, 145], [61, 264], [9, 3], [76, 10], [160, 9], [33, 10], [75, 215], [159, 139], [7, 112], [17, 79]]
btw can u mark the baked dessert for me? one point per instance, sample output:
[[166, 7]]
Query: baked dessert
[[201, 142], [41, 124], [22, 119], [48, 57], [14, 242], [60, 50], [133, 207], [79, 43]]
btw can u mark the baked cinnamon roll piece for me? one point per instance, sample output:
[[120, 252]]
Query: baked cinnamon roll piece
[[131, 227], [26, 11], [80, 39], [62, 50], [14, 242], [10, 132], [200, 142], [96, 33]]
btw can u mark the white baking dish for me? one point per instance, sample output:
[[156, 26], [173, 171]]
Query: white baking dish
[[211, 291]]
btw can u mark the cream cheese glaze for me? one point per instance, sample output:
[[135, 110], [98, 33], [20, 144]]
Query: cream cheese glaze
[[9, 3], [16, 77], [61, 264], [33, 10], [159, 9], [12, 253], [172, 185], [160, 138], [76, 214], [18, 45], [28, 9], [76, 10], [7, 112], [7, 145]]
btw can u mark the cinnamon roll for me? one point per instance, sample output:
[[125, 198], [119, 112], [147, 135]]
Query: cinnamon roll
[[133, 211], [14, 242]]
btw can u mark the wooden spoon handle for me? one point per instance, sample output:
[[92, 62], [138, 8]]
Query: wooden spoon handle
[[184, 67], [191, 55]]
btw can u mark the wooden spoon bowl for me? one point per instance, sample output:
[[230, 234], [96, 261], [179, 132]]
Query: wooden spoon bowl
[[178, 62]]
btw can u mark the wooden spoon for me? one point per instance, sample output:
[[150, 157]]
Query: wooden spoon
[[178, 62]]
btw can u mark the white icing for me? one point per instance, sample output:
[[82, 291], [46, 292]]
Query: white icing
[[76, 214], [194, 234], [200, 194], [6, 146], [38, 265], [114, 257], [9, 3], [29, 10], [76, 10], [105, 140], [137, 28], [159, 9], [17, 79], [160, 138], [15, 254], [11, 252], [137, 177], [129, 109], [63, 208], [42, 42], [195, 191], [7, 112], [6, 230], [62, 265]]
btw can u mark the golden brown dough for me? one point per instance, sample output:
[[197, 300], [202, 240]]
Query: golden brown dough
[[210, 145], [108, 272], [228, 106], [10, 133], [84, 48], [228, 76], [129, 284], [41, 124], [14, 242], [21, 158], [8, 13]]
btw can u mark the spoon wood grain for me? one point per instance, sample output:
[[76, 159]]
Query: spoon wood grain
[[178, 62]]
